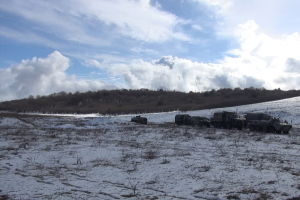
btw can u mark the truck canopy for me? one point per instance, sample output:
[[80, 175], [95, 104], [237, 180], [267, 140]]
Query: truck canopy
[[257, 116], [221, 115]]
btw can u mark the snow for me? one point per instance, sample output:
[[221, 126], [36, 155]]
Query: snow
[[108, 157], [13, 122]]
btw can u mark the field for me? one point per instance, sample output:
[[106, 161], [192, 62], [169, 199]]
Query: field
[[101, 157]]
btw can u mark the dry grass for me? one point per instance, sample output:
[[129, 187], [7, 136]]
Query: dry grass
[[56, 156]]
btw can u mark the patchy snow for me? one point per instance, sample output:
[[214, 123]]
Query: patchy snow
[[13, 122], [108, 157]]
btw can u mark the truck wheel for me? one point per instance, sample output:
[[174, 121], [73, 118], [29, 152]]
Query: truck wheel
[[240, 128], [228, 126], [271, 129], [251, 128], [192, 123], [285, 132], [257, 129], [265, 129]]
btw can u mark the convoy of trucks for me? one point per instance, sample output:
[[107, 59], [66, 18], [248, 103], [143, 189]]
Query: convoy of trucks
[[258, 122]]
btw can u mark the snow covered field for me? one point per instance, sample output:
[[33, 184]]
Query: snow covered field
[[100, 157]]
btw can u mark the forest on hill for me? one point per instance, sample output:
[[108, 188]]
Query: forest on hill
[[124, 101]]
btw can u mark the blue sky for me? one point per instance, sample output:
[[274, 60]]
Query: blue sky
[[185, 45]]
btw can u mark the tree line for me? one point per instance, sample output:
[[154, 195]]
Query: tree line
[[124, 101]]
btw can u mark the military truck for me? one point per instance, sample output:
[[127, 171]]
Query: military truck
[[139, 119], [200, 121], [261, 122], [227, 120], [184, 119]]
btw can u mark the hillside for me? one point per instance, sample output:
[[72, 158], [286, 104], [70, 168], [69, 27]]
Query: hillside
[[107, 157], [143, 101]]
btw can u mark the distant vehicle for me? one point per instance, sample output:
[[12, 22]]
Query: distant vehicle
[[262, 122], [200, 121], [139, 119], [184, 119], [227, 120]]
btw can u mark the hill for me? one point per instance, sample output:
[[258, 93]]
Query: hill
[[108, 157], [143, 101]]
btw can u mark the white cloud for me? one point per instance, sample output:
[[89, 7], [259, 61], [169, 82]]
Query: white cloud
[[261, 61], [265, 57], [136, 19], [89, 22], [293, 65], [27, 37], [55, 18], [219, 5], [277, 17], [144, 50], [172, 73], [42, 76], [197, 27]]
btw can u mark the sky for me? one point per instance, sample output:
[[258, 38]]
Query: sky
[[185, 45]]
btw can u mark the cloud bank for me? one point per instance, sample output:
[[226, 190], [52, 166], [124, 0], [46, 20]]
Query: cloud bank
[[43, 76], [89, 22], [261, 61], [172, 73]]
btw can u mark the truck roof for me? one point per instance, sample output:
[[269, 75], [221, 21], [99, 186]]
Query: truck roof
[[225, 112], [257, 116], [256, 113]]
